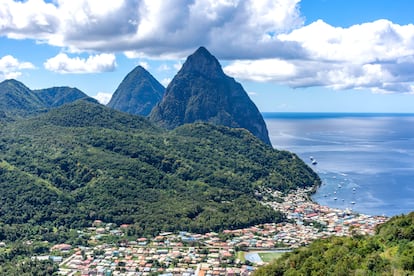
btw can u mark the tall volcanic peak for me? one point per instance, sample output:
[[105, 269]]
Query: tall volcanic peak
[[202, 62], [202, 92], [138, 93]]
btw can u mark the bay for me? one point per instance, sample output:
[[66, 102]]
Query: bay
[[365, 161]]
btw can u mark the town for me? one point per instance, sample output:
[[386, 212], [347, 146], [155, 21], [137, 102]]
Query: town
[[231, 252]]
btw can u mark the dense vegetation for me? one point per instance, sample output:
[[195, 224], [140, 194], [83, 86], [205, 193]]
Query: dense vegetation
[[16, 99], [83, 161], [389, 252], [29, 268]]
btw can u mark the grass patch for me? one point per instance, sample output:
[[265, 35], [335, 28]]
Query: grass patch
[[268, 257], [240, 256]]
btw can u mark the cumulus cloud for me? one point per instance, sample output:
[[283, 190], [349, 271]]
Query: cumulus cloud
[[380, 40], [103, 97], [376, 55], [266, 40], [10, 67], [262, 70], [165, 82], [93, 64], [33, 19], [155, 28], [145, 65]]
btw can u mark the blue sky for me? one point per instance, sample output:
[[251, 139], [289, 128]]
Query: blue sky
[[289, 55]]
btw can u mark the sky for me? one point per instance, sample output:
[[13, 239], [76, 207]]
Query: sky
[[289, 55]]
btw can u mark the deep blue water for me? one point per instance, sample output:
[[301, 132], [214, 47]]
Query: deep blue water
[[365, 161]]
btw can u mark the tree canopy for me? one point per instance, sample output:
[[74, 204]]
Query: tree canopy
[[389, 252], [83, 161]]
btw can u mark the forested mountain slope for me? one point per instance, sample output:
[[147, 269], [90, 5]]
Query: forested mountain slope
[[84, 161], [16, 99]]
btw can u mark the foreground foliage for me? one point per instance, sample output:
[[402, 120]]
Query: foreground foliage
[[389, 252]]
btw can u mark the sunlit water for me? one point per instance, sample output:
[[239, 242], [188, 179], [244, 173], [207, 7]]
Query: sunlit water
[[366, 162]]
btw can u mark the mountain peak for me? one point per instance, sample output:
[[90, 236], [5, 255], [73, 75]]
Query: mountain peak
[[204, 63], [138, 93], [140, 70], [57, 96], [202, 92], [13, 83], [17, 98]]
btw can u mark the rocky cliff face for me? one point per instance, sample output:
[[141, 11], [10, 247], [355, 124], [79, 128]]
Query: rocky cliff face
[[138, 93], [202, 92]]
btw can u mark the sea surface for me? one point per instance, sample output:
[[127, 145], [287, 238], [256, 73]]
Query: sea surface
[[365, 161]]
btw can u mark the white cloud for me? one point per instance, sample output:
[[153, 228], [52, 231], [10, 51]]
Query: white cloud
[[93, 64], [178, 65], [154, 28], [266, 40], [103, 97], [33, 19], [261, 70], [145, 65], [377, 55], [10, 67], [165, 82], [369, 42]]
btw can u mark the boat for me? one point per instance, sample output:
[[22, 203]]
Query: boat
[[335, 198], [352, 202], [314, 162]]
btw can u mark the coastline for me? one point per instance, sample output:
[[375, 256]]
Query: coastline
[[365, 158], [299, 207], [218, 252]]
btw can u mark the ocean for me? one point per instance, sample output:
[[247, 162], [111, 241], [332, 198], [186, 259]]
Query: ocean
[[365, 161]]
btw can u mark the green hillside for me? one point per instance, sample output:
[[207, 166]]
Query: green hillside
[[389, 252], [57, 96], [17, 99], [84, 161]]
